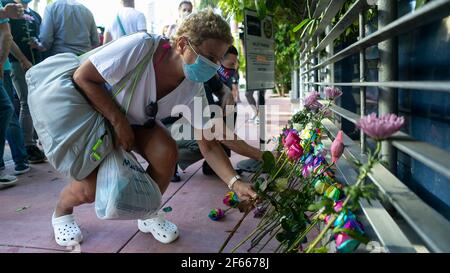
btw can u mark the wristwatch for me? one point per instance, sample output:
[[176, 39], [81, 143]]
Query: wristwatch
[[232, 181]]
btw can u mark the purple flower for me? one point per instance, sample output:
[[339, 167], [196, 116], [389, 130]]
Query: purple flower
[[380, 127], [311, 102], [259, 212], [287, 131], [332, 93]]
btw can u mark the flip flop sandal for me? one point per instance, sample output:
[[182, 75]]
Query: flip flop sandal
[[67, 232], [163, 230]]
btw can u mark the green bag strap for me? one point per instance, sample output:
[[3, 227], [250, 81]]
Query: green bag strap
[[120, 25], [132, 77]]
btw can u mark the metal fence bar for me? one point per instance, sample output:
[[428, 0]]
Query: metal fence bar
[[429, 225], [431, 156], [362, 70], [432, 11], [321, 6], [411, 85], [387, 71], [330, 12], [347, 19]]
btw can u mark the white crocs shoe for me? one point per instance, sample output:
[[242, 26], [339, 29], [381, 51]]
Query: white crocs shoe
[[67, 232], [163, 230]]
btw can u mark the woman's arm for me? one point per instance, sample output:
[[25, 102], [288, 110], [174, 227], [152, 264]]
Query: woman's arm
[[243, 148], [91, 84], [214, 154]]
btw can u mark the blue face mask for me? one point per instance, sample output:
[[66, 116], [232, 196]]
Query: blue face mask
[[200, 71], [26, 1]]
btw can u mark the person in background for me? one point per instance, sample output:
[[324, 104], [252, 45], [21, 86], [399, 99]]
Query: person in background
[[235, 84], [184, 9], [255, 107], [67, 26], [22, 57], [127, 21], [14, 11], [218, 87]]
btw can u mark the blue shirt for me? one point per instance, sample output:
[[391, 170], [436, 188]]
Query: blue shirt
[[68, 26], [6, 65]]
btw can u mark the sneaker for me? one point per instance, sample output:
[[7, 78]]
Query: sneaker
[[6, 180], [35, 155], [176, 176], [21, 169]]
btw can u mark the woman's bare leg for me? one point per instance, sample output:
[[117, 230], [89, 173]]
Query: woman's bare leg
[[76, 193], [160, 151]]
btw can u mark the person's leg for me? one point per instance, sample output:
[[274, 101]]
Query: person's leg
[[76, 194], [251, 100], [188, 153], [66, 230], [261, 97], [6, 112], [20, 84], [14, 133], [18, 76], [160, 151]]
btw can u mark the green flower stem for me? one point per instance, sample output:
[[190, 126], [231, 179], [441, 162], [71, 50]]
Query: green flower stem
[[270, 239], [263, 234], [303, 235], [279, 170], [255, 231], [235, 228]]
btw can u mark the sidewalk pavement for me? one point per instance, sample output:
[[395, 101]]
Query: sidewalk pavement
[[26, 209]]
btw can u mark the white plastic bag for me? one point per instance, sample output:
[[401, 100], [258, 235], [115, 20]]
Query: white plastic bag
[[124, 190]]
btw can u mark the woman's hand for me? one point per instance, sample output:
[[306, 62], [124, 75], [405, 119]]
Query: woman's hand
[[125, 134], [244, 190]]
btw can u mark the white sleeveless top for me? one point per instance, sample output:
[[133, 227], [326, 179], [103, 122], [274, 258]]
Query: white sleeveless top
[[116, 60]]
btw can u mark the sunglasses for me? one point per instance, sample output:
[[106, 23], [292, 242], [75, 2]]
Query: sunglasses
[[151, 111]]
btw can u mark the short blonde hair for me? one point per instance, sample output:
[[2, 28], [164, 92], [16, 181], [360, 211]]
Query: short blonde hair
[[202, 25]]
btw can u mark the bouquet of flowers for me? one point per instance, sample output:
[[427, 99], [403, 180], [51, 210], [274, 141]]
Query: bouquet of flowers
[[299, 192]]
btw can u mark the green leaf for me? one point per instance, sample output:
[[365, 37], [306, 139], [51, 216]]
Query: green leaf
[[420, 3], [302, 23], [322, 249], [281, 184], [268, 162]]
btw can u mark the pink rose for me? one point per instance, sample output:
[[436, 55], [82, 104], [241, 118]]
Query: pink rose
[[291, 138], [337, 148], [295, 151]]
